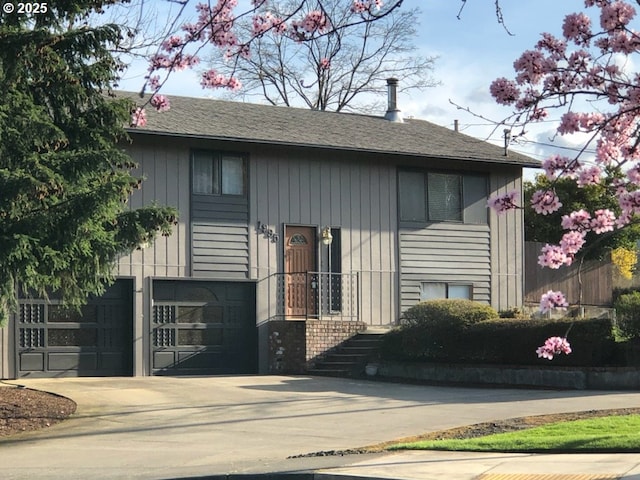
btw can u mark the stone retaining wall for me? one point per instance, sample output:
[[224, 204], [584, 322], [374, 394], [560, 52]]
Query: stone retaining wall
[[622, 378]]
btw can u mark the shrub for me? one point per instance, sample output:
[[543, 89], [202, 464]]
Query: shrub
[[513, 312], [504, 342], [431, 329], [452, 314], [628, 314]]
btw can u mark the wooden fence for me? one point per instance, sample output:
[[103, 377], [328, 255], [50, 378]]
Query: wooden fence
[[599, 278]]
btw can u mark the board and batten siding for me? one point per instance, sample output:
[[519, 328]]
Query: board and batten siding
[[507, 244], [164, 166], [445, 252], [355, 194]]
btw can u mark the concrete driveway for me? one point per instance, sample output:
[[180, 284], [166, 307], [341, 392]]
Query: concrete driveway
[[166, 427]]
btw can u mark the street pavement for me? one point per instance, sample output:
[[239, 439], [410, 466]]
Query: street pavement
[[212, 427]]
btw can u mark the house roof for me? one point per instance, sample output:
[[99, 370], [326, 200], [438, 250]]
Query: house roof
[[265, 124]]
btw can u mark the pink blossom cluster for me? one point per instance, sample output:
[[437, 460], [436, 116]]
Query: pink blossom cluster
[[138, 117], [212, 79], [551, 300], [589, 176], [265, 22], [572, 242], [325, 64], [579, 220], [554, 346], [545, 202], [554, 256], [160, 103], [615, 15], [629, 205], [503, 203], [313, 22], [557, 165], [361, 6], [603, 221], [504, 91]]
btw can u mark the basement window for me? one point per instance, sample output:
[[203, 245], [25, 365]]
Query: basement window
[[440, 290]]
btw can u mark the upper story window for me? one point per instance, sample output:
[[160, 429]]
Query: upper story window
[[442, 197], [217, 173]]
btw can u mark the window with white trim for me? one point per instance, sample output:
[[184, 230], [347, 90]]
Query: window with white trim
[[440, 290]]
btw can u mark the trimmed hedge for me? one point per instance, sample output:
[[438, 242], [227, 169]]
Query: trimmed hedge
[[628, 314], [504, 341], [454, 313], [433, 326]]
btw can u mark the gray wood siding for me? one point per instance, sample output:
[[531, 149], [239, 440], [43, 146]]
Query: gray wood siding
[[445, 252], [219, 233], [507, 245], [356, 195], [164, 167]]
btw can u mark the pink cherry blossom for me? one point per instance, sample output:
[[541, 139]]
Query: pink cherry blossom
[[589, 176], [572, 242], [503, 203], [556, 47], [160, 103], [532, 65], [314, 21], [361, 6], [504, 91], [551, 300], [580, 221], [603, 221], [554, 346], [154, 83], [325, 64], [545, 202], [577, 27], [554, 256], [557, 164], [138, 117], [633, 174], [212, 79], [616, 14]]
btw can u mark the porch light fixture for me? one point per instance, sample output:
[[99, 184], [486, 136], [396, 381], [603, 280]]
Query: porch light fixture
[[327, 238]]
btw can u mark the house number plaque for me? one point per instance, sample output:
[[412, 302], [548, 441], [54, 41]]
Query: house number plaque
[[268, 232]]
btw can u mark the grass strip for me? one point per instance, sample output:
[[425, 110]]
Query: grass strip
[[603, 434]]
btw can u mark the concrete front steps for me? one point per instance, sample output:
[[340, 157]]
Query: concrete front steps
[[350, 357]]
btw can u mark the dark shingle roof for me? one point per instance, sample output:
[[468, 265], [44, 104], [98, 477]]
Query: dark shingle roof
[[265, 124]]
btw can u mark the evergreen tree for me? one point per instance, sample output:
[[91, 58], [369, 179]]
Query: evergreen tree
[[64, 176]]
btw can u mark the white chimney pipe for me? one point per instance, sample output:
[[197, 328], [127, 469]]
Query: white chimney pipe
[[393, 113]]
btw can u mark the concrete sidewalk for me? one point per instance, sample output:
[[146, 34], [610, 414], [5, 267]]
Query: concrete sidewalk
[[172, 427]]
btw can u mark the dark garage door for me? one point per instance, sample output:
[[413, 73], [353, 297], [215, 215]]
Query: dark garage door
[[56, 341], [203, 328]]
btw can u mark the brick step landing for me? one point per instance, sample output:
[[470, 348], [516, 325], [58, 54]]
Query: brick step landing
[[350, 357]]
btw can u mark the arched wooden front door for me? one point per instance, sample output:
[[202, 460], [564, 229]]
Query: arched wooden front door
[[300, 261]]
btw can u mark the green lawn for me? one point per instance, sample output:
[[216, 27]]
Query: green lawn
[[603, 434]]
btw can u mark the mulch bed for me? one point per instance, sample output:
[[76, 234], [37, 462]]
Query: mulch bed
[[25, 410]]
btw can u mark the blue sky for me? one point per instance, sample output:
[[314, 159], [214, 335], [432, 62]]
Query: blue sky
[[472, 52]]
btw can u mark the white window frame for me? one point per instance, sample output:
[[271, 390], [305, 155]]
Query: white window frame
[[447, 286]]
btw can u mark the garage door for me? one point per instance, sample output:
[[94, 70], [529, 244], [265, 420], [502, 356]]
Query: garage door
[[203, 328], [56, 341]]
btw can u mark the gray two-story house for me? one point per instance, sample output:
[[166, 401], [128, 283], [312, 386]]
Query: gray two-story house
[[290, 220]]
